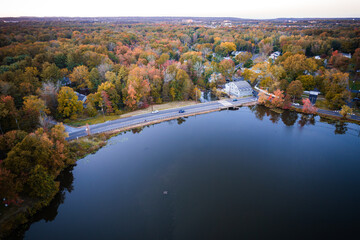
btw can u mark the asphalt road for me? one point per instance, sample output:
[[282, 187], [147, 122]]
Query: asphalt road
[[148, 117]]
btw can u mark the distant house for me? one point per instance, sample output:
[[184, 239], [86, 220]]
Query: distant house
[[251, 69], [81, 97], [312, 96], [238, 89], [216, 76], [274, 55], [235, 53], [347, 55], [65, 81]]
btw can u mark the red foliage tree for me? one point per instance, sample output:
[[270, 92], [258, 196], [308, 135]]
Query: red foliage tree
[[308, 107], [107, 102]]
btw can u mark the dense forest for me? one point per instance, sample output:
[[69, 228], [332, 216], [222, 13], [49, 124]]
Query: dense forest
[[47, 64]]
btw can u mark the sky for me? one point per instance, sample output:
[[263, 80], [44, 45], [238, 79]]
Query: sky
[[256, 9]]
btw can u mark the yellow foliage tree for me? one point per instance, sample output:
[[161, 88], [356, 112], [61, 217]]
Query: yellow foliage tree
[[69, 105]]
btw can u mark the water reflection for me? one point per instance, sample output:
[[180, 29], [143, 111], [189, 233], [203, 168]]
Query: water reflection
[[49, 213], [306, 120], [180, 121], [289, 118]]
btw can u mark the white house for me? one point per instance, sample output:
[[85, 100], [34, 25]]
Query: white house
[[274, 55], [238, 89], [347, 55]]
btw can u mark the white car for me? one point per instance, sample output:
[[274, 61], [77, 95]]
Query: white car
[[296, 104], [156, 111]]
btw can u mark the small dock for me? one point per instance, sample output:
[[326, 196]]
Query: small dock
[[233, 105]]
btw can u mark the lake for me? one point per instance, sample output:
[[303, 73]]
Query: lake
[[246, 174]]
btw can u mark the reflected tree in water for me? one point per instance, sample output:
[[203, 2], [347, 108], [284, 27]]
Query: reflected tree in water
[[306, 120], [180, 121], [259, 111], [137, 130], [274, 116], [289, 117], [340, 128]]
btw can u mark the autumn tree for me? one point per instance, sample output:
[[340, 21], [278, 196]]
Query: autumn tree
[[48, 93], [41, 184], [80, 76], [227, 68], [51, 73], [94, 79], [69, 105], [10, 139], [225, 48], [297, 64], [35, 103], [356, 59], [8, 185], [106, 102], [262, 99], [295, 89], [278, 100], [111, 93], [243, 57], [336, 83], [307, 81], [9, 115], [337, 60], [345, 111], [249, 75], [308, 107]]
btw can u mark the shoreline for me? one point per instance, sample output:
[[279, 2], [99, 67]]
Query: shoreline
[[23, 214]]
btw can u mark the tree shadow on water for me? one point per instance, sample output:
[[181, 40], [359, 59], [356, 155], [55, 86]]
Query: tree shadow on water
[[49, 213]]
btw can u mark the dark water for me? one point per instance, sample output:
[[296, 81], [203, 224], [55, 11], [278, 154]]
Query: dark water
[[246, 174]]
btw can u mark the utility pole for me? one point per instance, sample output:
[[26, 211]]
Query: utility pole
[[17, 123], [196, 91], [102, 109]]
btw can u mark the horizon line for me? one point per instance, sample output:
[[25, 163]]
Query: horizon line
[[243, 18]]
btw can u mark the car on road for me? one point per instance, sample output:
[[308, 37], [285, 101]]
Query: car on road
[[234, 100], [181, 111], [156, 111], [296, 104]]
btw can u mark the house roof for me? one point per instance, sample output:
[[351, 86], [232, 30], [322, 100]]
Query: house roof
[[81, 97], [242, 85]]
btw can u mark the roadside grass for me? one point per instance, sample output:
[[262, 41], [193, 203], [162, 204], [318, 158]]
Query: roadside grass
[[354, 85], [321, 103], [100, 118]]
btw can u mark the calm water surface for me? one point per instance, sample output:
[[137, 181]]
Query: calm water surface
[[246, 174]]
